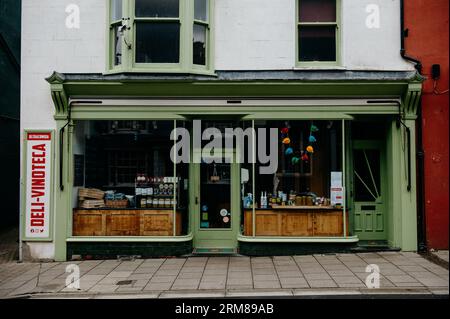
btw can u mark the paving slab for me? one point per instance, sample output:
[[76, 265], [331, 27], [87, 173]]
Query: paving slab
[[399, 272]]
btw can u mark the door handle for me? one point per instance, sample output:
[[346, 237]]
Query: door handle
[[196, 200]]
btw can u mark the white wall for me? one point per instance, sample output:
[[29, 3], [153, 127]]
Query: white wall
[[260, 35], [47, 46], [372, 49], [254, 34]]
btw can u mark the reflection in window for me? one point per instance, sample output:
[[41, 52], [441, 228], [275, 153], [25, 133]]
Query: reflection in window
[[117, 46], [116, 10], [199, 44], [157, 8], [317, 11], [201, 26], [317, 30], [317, 43], [157, 42], [201, 10]]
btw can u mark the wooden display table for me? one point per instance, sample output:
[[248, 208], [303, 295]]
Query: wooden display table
[[296, 221], [125, 222]]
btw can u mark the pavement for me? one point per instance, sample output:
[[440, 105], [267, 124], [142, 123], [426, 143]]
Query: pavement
[[9, 249], [401, 273]]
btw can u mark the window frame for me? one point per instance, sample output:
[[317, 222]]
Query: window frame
[[337, 24], [185, 64]]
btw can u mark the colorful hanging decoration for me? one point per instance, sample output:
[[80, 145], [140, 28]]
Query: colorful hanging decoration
[[303, 155]]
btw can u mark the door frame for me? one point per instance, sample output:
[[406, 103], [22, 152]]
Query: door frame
[[381, 146], [214, 238]]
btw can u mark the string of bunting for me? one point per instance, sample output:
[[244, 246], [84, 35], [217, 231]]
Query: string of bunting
[[304, 154]]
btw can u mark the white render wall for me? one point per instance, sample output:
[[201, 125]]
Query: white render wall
[[250, 35]]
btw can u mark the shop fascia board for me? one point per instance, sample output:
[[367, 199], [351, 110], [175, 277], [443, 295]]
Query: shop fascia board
[[246, 109], [64, 90]]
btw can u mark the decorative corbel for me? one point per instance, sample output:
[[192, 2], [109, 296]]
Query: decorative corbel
[[59, 96], [411, 100]]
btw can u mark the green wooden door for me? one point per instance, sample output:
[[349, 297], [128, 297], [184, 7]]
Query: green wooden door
[[215, 209], [369, 190]]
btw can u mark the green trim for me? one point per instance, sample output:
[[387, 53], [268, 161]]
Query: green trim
[[63, 203], [274, 239], [185, 64], [329, 112], [313, 64], [24, 186]]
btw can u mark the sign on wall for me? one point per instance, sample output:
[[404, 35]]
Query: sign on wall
[[37, 215]]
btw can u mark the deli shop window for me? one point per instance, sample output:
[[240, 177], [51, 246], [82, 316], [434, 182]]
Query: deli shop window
[[306, 186], [125, 182]]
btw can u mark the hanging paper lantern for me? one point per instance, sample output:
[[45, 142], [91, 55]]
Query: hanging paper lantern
[[312, 139], [310, 149], [286, 141], [289, 151], [295, 160], [314, 128], [284, 130], [305, 157]]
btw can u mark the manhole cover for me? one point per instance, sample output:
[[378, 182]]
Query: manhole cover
[[125, 282]]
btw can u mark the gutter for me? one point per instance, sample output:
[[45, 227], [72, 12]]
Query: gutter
[[403, 34], [420, 155]]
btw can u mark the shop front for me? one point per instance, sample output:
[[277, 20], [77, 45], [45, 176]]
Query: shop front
[[276, 164]]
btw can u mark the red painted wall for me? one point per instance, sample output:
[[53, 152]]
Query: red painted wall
[[428, 41]]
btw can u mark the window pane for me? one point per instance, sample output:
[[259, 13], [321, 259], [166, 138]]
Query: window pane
[[199, 44], [116, 10], [317, 10], [201, 10], [215, 195], [117, 46], [367, 178], [317, 43], [157, 42], [157, 8]]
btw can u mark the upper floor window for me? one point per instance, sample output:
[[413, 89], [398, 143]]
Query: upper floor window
[[151, 36], [318, 32]]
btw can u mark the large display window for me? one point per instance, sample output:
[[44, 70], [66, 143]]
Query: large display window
[[305, 196], [125, 182]]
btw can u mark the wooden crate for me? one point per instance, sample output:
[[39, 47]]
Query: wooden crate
[[89, 223], [123, 203], [92, 203], [90, 193]]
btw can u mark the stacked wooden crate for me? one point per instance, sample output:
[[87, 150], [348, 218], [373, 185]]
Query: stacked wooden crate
[[91, 198]]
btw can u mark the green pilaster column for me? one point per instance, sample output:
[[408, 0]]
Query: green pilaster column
[[62, 197]]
